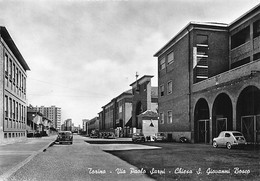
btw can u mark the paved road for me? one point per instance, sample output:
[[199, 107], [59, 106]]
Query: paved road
[[80, 161]]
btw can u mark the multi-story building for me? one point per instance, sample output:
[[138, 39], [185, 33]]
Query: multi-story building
[[13, 76], [209, 80], [53, 113], [84, 127], [116, 114], [68, 125], [145, 97]]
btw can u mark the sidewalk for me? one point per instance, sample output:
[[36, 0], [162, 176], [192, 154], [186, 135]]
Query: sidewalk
[[14, 156]]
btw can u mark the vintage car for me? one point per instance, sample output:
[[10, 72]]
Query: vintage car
[[65, 137], [229, 139], [159, 137], [138, 137]]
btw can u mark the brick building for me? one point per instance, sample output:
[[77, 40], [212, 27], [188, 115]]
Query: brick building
[[145, 97], [208, 78], [13, 76]]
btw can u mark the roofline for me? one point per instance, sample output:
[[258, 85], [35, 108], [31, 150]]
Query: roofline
[[188, 28], [244, 15], [9, 41], [145, 76]]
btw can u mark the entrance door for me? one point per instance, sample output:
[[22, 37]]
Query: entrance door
[[203, 131], [221, 125], [248, 128]]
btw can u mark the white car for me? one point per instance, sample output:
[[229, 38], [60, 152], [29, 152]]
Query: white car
[[229, 139]]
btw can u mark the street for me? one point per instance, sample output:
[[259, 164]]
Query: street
[[79, 161], [120, 159]]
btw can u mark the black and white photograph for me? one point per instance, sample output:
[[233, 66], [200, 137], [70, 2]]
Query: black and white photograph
[[129, 90]]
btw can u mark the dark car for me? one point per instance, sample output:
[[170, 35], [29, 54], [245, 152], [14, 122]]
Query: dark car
[[138, 137], [65, 137]]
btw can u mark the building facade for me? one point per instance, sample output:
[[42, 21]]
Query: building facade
[[208, 78], [53, 113], [116, 114], [145, 97], [13, 77]]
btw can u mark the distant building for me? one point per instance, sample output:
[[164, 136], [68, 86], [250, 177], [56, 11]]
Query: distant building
[[84, 122], [53, 113], [68, 125], [13, 112], [145, 97], [116, 114]]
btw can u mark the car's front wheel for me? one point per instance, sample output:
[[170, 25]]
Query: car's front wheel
[[229, 146], [215, 145]]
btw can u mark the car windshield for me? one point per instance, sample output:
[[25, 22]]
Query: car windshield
[[65, 133], [237, 134]]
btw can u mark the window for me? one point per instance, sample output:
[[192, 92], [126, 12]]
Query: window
[[162, 64], [17, 83], [170, 58], [6, 65], [162, 90], [240, 38], [6, 107], [202, 40], [14, 109], [10, 70], [13, 73], [10, 108], [162, 118], [169, 117], [256, 28], [169, 87]]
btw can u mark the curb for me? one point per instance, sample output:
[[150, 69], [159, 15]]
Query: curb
[[10, 172]]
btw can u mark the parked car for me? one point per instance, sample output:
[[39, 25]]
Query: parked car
[[65, 137], [183, 139], [229, 139], [138, 137], [160, 137]]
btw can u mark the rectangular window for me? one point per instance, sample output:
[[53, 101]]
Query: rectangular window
[[10, 70], [6, 65], [10, 108], [17, 113], [256, 28], [14, 109], [162, 90], [17, 81], [169, 117], [162, 118], [202, 40], [6, 107], [162, 64], [169, 87], [13, 73], [170, 58], [240, 37]]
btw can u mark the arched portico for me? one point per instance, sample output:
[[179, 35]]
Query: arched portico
[[201, 122], [248, 113], [222, 114]]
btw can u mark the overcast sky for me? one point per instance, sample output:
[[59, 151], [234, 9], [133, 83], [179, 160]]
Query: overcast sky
[[83, 53]]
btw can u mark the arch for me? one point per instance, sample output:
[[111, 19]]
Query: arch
[[222, 114], [201, 121], [248, 113]]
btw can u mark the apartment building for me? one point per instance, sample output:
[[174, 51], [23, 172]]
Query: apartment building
[[53, 113], [208, 78], [13, 76]]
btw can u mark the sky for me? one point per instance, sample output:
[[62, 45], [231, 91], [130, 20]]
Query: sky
[[84, 53]]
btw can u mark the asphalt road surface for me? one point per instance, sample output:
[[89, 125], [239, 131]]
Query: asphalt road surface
[[79, 161]]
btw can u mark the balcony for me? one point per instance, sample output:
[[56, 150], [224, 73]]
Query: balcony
[[227, 76], [240, 52]]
